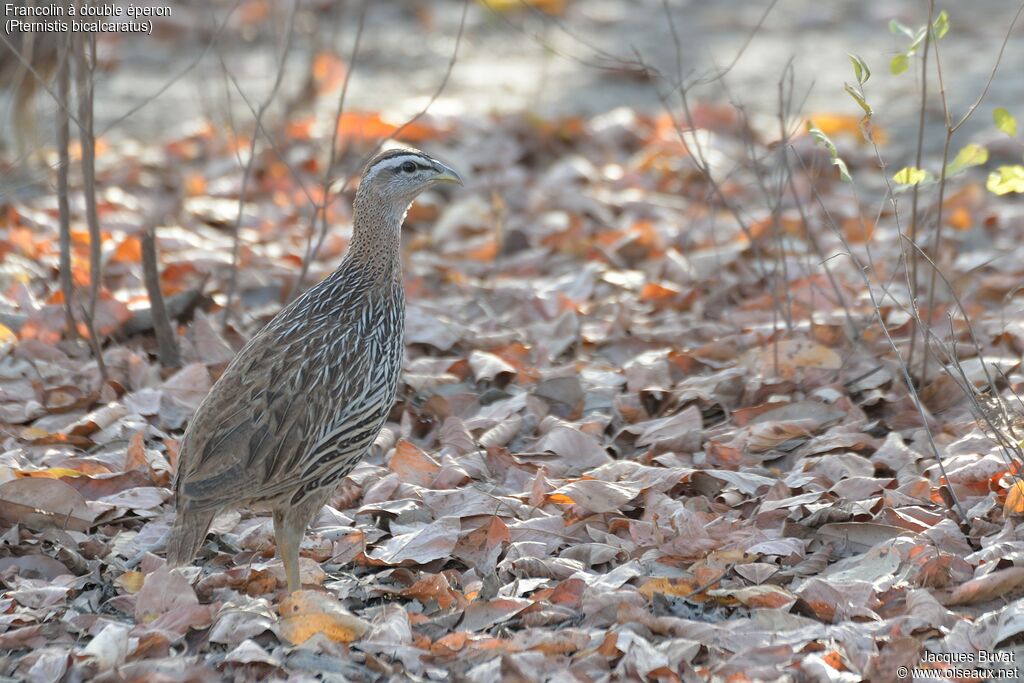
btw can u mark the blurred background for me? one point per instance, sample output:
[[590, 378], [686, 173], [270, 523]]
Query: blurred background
[[546, 57]]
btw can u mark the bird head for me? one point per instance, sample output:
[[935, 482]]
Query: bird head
[[398, 175]]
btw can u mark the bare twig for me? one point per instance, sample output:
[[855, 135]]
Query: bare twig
[[312, 255], [67, 285], [915, 192], [325, 189], [178, 76], [951, 129], [289, 31], [992, 74], [167, 344], [84, 73], [908, 381]]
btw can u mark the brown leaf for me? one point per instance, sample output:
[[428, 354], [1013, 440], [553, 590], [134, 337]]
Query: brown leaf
[[42, 503], [988, 587], [412, 464]]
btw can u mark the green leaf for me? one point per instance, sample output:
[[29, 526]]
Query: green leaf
[[858, 96], [941, 25], [860, 69], [1005, 121], [1006, 179], [970, 155], [910, 175], [918, 39], [899, 64], [896, 28], [821, 138]]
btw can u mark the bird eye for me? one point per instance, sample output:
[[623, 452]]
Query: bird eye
[[408, 167]]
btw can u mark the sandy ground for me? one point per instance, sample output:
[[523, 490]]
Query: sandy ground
[[522, 60]]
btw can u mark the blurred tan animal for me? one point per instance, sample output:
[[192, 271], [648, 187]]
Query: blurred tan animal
[[28, 60]]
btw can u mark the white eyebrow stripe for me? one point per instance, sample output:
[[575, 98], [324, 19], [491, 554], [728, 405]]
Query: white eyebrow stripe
[[396, 161]]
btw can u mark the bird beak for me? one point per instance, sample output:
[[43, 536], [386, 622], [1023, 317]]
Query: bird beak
[[446, 174]]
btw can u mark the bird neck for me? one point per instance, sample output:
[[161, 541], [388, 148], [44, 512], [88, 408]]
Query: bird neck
[[377, 235]]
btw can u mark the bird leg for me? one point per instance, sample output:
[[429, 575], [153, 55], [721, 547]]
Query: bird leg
[[289, 528]]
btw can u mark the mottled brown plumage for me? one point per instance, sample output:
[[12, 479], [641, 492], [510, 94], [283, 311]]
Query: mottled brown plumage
[[303, 401]]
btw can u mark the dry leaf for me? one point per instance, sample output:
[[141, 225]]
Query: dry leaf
[[307, 613], [41, 503], [988, 587]]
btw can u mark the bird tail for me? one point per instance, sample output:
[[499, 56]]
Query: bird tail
[[188, 533]]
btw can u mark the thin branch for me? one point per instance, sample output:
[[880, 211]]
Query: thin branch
[[247, 175], [166, 339], [84, 73], [67, 285], [908, 381], [398, 131], [178, 76], [321, 209], [992, 74], [951, 129], [915, 192]]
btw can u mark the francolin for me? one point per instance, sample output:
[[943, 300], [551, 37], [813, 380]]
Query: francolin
[[303, 401]]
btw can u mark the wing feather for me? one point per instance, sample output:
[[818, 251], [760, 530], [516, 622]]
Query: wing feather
[[290, 397]]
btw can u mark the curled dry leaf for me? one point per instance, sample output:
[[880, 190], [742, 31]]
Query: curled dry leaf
[[307, 613], [483, 614], [769, 597], [503, 432], [109, 648], [490, 367], [579, 449], [988, 587]]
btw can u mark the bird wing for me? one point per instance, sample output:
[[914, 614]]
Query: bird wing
[[299, 398], [253, 417]]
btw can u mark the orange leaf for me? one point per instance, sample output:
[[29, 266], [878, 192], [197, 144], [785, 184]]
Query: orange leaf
[[328, 70], [435, 587], [135, 459], [449, 644], [678, 588], [654, 291], [306, 613], [857, 230], [561, 499], [48, 473], [1014, 504], [486, 251], [555, 7], [413, 464], [195, 185], [372, 126], [832, 124], [128, 251], [961, 219]]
